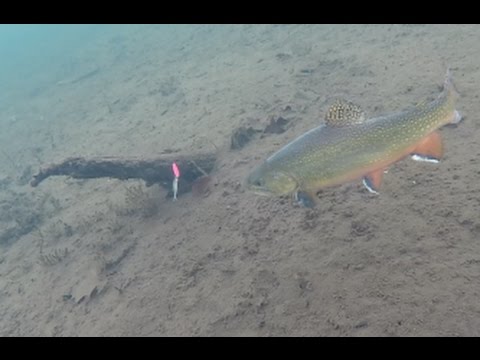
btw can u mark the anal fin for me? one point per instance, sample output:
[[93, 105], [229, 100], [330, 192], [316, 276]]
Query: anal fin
[[373, 180], [429, 149]]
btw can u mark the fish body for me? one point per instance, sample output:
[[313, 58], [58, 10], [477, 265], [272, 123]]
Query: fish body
[[349, 146]]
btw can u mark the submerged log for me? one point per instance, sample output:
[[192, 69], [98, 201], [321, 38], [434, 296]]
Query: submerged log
[[152, 171]]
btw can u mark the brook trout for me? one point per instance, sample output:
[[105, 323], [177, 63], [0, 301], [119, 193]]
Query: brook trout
[[351, 147]]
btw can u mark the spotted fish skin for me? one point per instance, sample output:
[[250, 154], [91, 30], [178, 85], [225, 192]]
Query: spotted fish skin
[[349, 147]]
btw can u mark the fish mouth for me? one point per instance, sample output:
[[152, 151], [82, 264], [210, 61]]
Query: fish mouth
[[258, 190], [255, 184], [268, 184], [261, 192]]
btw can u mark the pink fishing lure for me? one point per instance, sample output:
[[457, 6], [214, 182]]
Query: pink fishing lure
[[176, 170]]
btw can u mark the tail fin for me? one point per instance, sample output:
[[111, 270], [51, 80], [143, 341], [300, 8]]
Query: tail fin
[[448, 86], [451, 93]]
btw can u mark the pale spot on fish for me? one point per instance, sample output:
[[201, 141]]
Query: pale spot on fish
[[425, 159]]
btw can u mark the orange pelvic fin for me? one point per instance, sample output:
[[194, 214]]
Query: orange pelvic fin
[[373, 180], [430, 149]]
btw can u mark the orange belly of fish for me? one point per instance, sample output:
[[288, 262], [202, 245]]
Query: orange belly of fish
[[430, 146]]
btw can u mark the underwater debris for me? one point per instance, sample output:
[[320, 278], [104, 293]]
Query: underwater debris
[[242, 136], [276, 125], [54, 257], [152, 171]]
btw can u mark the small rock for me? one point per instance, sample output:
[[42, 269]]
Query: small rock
[[361, 324], [359, 267]]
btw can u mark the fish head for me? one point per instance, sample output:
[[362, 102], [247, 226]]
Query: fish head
[[268, 181]]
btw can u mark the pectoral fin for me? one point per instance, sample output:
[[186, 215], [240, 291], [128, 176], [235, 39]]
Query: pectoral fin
[[305, 199], [430, 149], [373, 180]]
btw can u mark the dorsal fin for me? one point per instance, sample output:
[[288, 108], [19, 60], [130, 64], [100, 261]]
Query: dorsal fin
[[343, 113]]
